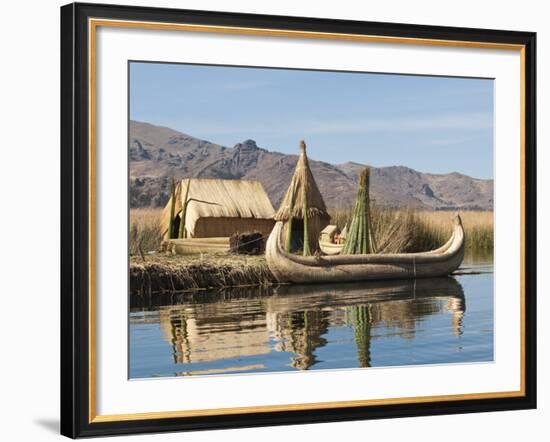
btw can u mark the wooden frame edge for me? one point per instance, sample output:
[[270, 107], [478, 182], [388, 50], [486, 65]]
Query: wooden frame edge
[[92, 418]]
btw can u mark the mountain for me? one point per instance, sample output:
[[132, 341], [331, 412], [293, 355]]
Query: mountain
[[158, 153]]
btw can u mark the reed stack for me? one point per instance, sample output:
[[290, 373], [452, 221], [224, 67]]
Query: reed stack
[[172, 207], [359, 240]]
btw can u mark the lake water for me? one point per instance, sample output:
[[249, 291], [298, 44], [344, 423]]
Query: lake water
[[374, 324]]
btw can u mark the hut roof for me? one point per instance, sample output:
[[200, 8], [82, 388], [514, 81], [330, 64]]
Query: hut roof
[[302, 185], [217, 198]]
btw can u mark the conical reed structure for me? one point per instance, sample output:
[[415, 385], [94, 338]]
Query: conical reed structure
[[359, 235], [303, 209]]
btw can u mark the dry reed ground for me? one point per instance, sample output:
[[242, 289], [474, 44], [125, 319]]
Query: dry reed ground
[[161, 273], [395, 231]]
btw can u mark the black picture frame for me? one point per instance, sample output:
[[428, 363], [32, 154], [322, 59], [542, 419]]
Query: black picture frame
[[75, 220]]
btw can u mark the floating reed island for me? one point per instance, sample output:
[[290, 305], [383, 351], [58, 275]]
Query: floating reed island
[[162, 273], [196, 241]]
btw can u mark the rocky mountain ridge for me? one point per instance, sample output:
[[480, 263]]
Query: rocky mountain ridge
[[158, 153]]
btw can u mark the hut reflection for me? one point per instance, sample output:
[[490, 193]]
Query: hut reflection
[[297, 319], [214, 331], [300, 333]]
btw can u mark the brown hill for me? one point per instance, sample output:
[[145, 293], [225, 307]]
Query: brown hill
[[158, 153]]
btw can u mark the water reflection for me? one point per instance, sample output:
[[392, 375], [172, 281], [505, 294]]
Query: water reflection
[[238, 326]]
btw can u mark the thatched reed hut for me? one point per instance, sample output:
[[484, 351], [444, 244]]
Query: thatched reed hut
[[213, 208], [302, 208]]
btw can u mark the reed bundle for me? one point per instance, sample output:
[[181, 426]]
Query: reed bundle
[[359, 240]]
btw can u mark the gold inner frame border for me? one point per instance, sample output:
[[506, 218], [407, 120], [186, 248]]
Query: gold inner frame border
[[93, 24]]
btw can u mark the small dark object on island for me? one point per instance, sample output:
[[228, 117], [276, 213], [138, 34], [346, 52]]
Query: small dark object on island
[[247, 243]]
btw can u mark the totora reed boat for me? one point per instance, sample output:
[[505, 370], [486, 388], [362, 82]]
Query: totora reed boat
[[287, 267]]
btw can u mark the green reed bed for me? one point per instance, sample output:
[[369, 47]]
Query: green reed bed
[[394, 230], [407, 231]]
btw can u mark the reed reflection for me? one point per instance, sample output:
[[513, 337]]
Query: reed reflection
[[295, 320]]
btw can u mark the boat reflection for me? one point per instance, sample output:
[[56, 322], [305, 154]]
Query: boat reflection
[[232, 324]]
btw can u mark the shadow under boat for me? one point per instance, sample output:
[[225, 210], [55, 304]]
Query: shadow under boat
[[334, 293]]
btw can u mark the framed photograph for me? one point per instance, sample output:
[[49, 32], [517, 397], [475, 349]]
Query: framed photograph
[[274, 220]]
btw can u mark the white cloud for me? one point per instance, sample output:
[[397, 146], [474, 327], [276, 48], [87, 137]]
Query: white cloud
[[473, 121], [308, 125]]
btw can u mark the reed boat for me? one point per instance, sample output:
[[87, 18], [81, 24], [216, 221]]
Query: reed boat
[[287, 267], [330, 248]]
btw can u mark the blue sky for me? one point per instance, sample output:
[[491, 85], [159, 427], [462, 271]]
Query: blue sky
[[431, 124]]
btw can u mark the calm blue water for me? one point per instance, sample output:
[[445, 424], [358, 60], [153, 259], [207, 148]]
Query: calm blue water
[[432, 321]]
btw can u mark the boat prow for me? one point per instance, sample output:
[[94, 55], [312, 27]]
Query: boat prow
[[287, 267]]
